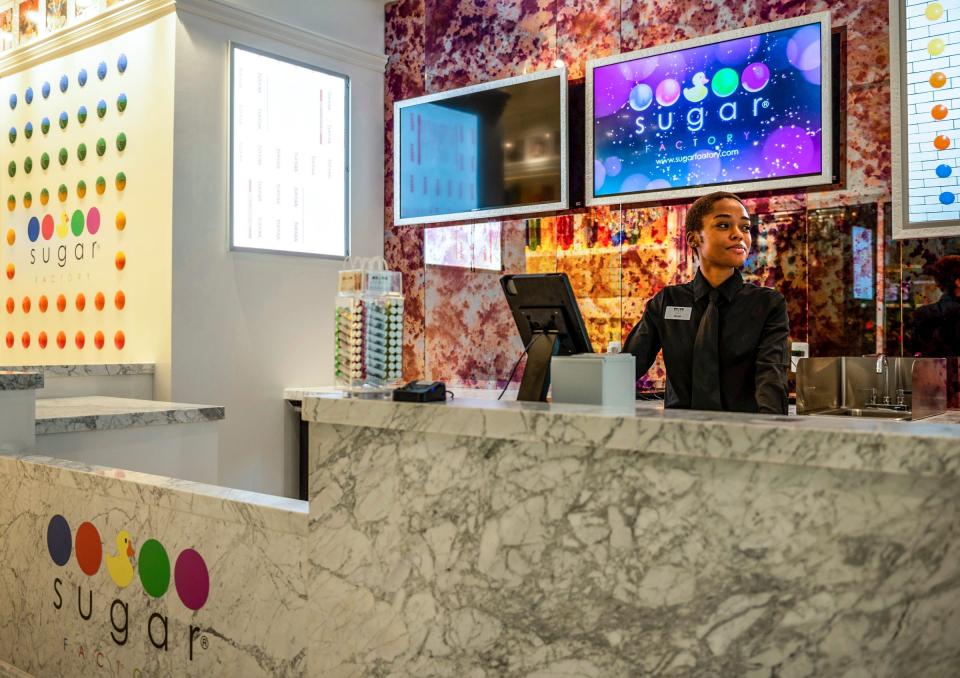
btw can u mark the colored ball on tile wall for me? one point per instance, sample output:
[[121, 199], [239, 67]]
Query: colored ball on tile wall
[[61, 339], [11, 305], [93, 221], [12, 135], [944, 171], [101, 146], [101, 185], [119, 340], [63, 156], [81, 189], [939, 112], [10, 339], [25, 304], [80, 301], [45, 90], [80, 340], [45, 125], [82, 114], [42, 339], [122, 63], [120, 300], [941, 142], [28, 164], [102, 70], [45, 160], [122, 103], [947, 198], [121, 141], [64, 83], [82, 77], [98, 340], [933, 11], [28, 130], [43, 303], [82, 152], [61, 303], [99, 301], [25, 340], [28, 95], [935, 47], [938, 79], [12, 169], [101, 108], [64, 120]]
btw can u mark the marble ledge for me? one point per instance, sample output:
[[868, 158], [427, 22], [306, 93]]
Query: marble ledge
[[20, 381], [105, 370], [102, 413], [258, 510], [921, 448]]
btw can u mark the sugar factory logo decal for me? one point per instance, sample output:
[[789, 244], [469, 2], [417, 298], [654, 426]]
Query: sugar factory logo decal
[[124, 565], [44, 250]]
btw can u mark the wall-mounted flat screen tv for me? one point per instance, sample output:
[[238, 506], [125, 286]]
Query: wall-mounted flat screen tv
[[746, 110], [489, 150]]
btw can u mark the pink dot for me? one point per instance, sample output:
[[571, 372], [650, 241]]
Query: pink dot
[[93, 221], [192, 579]]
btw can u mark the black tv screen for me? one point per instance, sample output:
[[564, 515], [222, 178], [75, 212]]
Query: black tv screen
[[489, 150]]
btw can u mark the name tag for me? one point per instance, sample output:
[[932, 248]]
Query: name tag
[[678, 313]]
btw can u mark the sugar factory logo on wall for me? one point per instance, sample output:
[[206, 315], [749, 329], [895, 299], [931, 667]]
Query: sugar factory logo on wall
[[124, 565], [41, 230]]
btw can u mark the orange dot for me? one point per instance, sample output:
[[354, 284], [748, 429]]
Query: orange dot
[[119, 340], [10, 339], [11, 305], [99, 301], [121, 221], [120, 300], [42, 340], [61, 339], [42, 303], [938, 79], [81, 302], [80, 339], [939, 112], [11, 237], [941, 143], [25, 339], [120, 260], [11, 271], [11, 203], [25, 305], [98, 340], [61, 303]]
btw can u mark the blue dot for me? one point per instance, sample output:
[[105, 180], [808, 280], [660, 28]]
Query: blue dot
[[33, 229], [45, 90], [64, 83], [28, 129], [82, 77], [122, 63], [59, 540], [102, 70], [28, 95], [947, 198], [13, 101], [944, 171]]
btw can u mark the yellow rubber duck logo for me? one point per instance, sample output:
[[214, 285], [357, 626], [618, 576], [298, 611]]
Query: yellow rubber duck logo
[[119, 566], [699, 90]]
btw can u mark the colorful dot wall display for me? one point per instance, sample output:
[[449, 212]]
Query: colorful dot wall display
[[932, 122], [85, 273]]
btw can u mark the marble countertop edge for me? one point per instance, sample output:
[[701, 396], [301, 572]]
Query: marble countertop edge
[[20, 380], [91, 370], [101, 413]]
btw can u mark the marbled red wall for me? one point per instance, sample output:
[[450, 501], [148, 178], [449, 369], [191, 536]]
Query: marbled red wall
[[459, 328]]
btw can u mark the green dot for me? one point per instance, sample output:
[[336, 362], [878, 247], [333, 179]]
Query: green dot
[[12, 135], [82, 115], [725, 82], [121, 141], [82, 151], [76, 223], [154, 568], [101, 146], [28, 164], [12, 169], [45, 125], [63, 156], [45, 160], [121, 181]]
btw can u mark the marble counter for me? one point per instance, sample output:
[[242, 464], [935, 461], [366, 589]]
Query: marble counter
[[485, 538], [11, 380], [104, 370], [100, 413]]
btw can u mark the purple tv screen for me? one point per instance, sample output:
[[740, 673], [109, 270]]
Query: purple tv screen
[[735, 111]]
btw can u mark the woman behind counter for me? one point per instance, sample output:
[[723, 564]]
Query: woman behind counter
[[724, 341]]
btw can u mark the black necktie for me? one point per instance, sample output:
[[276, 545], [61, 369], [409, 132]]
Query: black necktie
[[706, 359]]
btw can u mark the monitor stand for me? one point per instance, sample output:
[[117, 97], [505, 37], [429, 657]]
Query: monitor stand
[[536, 373]]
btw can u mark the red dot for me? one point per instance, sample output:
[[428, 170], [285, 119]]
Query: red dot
[[11, 305], [81, 302], [25, 339], [11, 271], [25, 305], [61, 339], [10, 339], [119, 340], [46, 227], [120, 299], [80, 340], [42, 339], [61, 303], [98, 340], [89, 549], [99, 301], [43, 303]]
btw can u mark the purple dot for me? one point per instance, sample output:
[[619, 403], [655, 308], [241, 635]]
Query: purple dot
[[93, 221], [192, 579], [613, 165], [803, 49], [599, 175]]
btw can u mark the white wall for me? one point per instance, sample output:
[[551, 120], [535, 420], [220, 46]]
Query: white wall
[[247, 325]]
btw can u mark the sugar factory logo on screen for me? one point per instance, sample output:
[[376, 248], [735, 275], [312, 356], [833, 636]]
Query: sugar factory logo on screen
[[739, 110], [120, 561]]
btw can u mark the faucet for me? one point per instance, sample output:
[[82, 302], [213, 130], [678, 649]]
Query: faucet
[[882, 368], [881, 363]]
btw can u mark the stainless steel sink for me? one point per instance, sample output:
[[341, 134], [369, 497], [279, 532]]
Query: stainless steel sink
[[876, 387]]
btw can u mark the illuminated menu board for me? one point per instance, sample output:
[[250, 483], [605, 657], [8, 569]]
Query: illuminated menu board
[[925, 37], [288, 157]]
